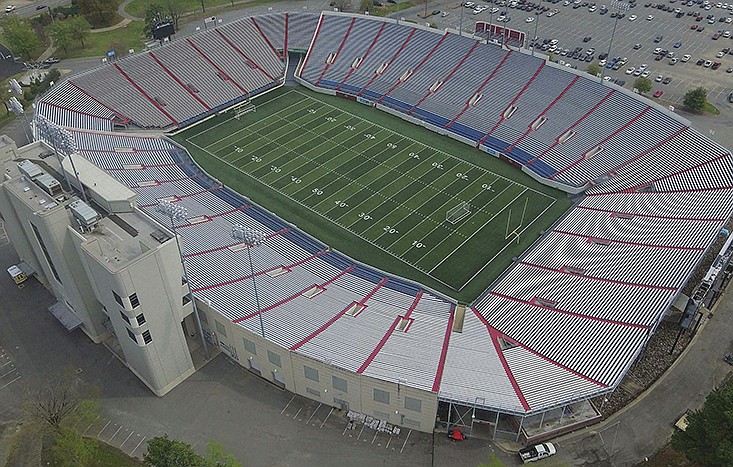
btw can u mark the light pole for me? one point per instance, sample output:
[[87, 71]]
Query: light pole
[[61, 140], [460, 21], [619, 6], [174, 211], [253, 238], [536, 22]]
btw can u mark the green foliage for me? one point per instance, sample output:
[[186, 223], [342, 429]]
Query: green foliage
[[73, 450], [166, 452], [492, 461], [60, 34], [593, 69], [696, 99], [79, 28], [161, 10], [708, 439], [643, 85], [19, 35], [366, 5], [216, 457], [101, 12]]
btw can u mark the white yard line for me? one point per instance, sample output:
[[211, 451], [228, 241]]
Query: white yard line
[[504, 248], [475, 231]]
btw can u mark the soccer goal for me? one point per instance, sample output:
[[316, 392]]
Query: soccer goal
[[458, 213]]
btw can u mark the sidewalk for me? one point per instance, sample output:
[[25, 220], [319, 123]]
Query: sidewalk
[[645, 425]]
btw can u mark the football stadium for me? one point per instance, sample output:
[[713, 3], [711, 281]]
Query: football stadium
[[417, 225]]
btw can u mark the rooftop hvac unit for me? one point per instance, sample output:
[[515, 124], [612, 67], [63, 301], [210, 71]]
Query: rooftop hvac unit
[[87, 217], [29, 169], [49, 184]]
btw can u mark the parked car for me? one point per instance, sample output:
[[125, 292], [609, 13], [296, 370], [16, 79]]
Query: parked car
[[667, 80], [685, 58], [537, 452], [658, 93], [9, 8]]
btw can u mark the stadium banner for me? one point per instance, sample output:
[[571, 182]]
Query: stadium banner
[[346, 96], [505, 35], [364, 101]]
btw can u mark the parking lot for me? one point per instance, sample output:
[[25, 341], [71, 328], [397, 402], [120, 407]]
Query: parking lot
[[571, 25]]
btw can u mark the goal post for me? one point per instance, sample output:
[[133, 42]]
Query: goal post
[[245, 108], [458, 213]]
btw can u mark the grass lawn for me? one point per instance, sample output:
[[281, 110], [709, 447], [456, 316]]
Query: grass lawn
[[137, 7], [390, 8], [378, 188], [111, 456], [710, 109], [120, 40]]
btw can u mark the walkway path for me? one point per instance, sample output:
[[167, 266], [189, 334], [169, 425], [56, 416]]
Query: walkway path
[[121, 10], [641, 428], [121, 24]]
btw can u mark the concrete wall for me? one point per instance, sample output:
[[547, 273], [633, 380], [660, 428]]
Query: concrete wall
[[154, 278], [321, 381]]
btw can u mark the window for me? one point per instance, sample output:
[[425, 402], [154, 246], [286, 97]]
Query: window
[[274, 359], [186, 300], [413, 404], [313, 392], [381, 396], [340, 384], [132, 336], [134, 301], [202, 316], [379, 415], [220, 328], [310, 373], [124, 317], [249, 346], [409, 422], [147, 337], [140, 319], [45, 254], [118, 299]]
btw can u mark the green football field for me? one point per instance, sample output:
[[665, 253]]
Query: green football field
[[385, 192]]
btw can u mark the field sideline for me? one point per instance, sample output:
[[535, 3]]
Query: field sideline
[[344, 167]]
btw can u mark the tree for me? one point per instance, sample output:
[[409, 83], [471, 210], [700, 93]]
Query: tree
[[166, 452], [19, 35], [60, 34], [79, 28], [696, 99], [708, 439], [98, 11], [174, 10], [51, 403], [203, 7], [593, 69], [216, 457], [643, 85], [365, 5], [72, 449], [344, 5], [154, 12]]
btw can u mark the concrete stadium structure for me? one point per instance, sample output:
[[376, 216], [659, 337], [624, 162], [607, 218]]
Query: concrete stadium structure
[[562, 325]]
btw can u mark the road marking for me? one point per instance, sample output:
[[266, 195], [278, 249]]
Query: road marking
[[6, 374], [314, 412], [408, 437], [138, 445], [329, 414], [118, 430], [90, 425], [286, 405], [105, 427], [9, 383], [128, 437], [388, 441], [375, 436], [360, 431]]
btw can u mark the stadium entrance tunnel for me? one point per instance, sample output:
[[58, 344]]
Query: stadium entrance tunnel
[[477, 422]]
